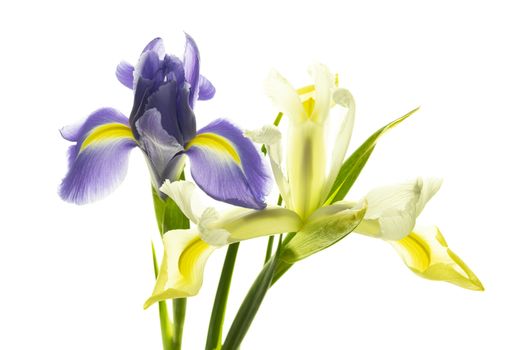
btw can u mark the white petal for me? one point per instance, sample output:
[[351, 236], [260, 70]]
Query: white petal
[[213, 236], [345, 99], [284, 96], [185, 195], [429, 187], [270, 136], [324, 85], [392, 210]]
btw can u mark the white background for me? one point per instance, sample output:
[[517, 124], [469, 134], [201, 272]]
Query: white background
[[76, 277]]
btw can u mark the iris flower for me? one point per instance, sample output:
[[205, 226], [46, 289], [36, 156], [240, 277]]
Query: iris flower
[[224, 163], [305, 180]]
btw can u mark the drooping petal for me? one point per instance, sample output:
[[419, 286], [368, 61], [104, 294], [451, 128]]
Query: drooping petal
[[98, 161], [242, 224], [124, 74], [270, 136], [392, 210], [191, 68], [182, 268], [325, 227], [426, 253], [226, 165], [285, 97], [185, 195], [159, 146], [324, 86], [206, 89], [345, 99]]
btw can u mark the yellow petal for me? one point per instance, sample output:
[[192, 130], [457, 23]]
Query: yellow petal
[[305, 165], [242, 223], [182, 267], [426, 253]]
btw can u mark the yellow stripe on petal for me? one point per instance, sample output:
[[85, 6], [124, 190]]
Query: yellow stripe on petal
[[182, 268], [106, 132], [190, 257], [217, 143], [427, 254]]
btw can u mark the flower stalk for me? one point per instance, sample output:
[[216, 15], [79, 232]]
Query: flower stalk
[[214, 339]]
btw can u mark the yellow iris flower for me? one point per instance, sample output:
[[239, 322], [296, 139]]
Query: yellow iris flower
[[305, 179]]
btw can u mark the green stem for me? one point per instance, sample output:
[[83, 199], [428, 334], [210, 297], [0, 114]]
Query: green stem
[[179, 315], [251, 303], [214, 339], [269, 249]]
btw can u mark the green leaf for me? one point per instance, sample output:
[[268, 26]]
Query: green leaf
[[250, 305], [353, 165], [325, 227]]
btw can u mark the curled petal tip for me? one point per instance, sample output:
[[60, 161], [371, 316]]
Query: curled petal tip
[[427, 254]]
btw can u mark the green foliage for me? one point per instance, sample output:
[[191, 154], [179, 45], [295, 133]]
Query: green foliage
[[353, 165]]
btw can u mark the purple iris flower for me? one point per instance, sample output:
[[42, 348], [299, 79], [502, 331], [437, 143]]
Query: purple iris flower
[[223, 162]]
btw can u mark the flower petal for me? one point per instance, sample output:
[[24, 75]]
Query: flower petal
[[191, 68], [185, 195], [206, 89], [148, 67], [305, 165], [182, 268], [270, 136], [324, 86], [178, 118], [426, 253], [392, 210], [98, 161], [345, 99], [284, 96], [241, 224], [159, 146], [125, 74], [156, 45], [226, 165]]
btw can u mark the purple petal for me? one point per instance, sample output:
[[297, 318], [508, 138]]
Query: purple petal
[[98, 162], [178, 118], [206, 89], [159, 146], [174, 69], [191, 67], [149, 66], [125, 74], [227, 166], [156, 45]]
